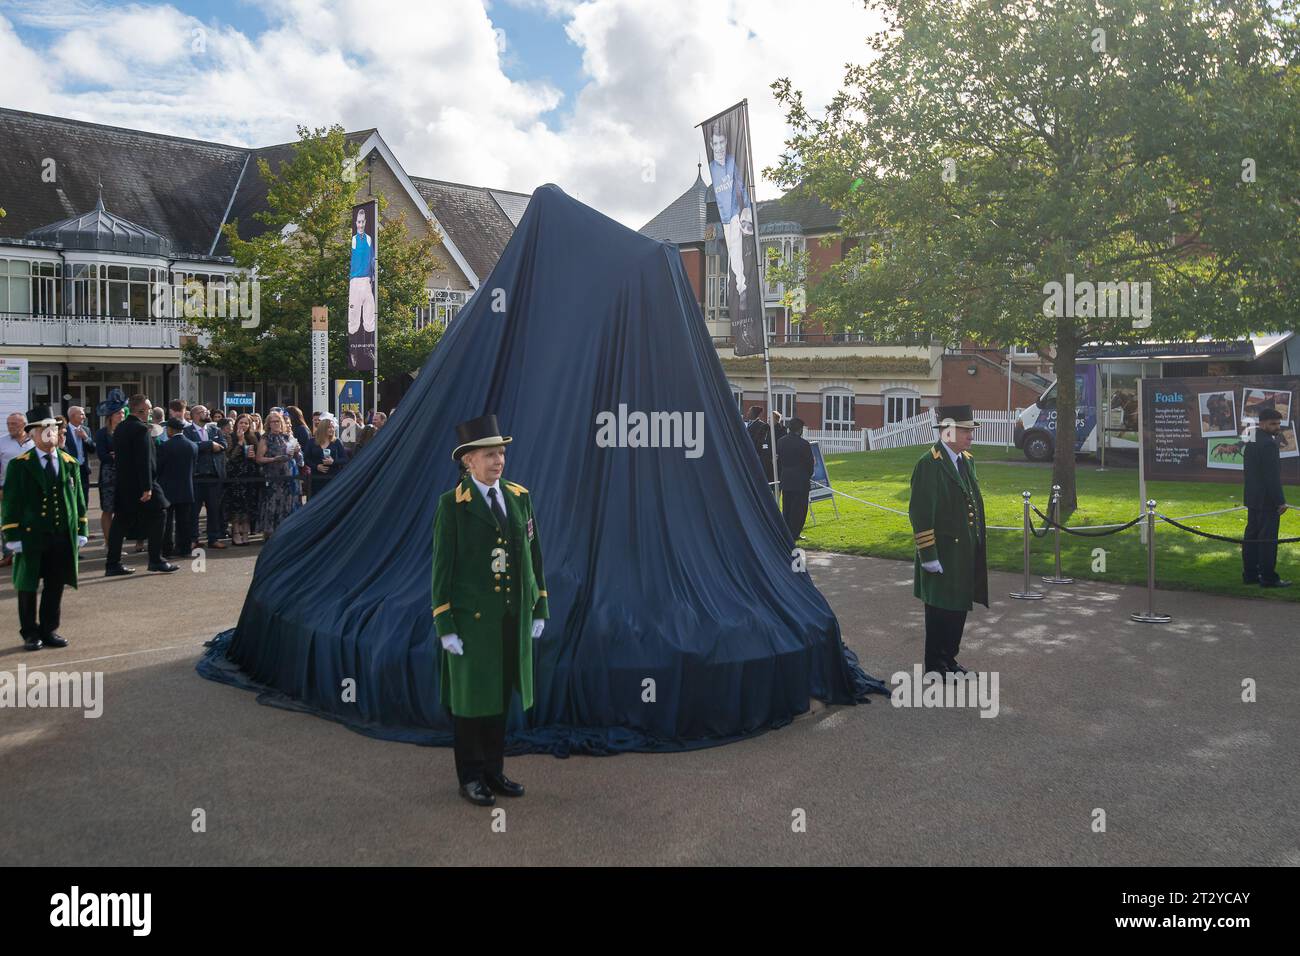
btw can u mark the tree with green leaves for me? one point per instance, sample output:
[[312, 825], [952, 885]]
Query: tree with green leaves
[[300, 260], [1015, 166]]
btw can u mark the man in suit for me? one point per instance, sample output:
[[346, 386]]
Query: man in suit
[[139, 500], [176, 460], [45, 525], [489, 599], [210, 472], [794, 459], [950, 570], [79, 444], [1264, 501]]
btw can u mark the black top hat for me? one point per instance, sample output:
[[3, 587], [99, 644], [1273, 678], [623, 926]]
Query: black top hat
[[113, 403], [481, 432], [960, 416], [40, 417]]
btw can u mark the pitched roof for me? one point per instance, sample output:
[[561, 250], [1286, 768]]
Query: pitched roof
[[184, 189], [176, 187], [799, 206], [683, 219], [473, 216]]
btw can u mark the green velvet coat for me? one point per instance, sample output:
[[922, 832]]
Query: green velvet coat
[[479, 577], [947, 516], [31, 504]]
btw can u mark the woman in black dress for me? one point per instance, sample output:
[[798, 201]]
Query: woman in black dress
[[325, 456]]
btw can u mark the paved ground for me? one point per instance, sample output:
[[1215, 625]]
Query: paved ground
[[1146, 723]]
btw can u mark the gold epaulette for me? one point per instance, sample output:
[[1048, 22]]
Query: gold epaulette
[[67, 457], [924, 539], [463, 495], [968, 454], [516, 489], [24, 456], [934, 453]]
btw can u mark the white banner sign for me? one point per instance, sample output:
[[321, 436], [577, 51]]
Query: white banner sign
[[13, 386], [320, 398]]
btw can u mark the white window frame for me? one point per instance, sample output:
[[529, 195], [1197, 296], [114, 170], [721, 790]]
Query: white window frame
[[784, 400], [838, 406], [900, 404]]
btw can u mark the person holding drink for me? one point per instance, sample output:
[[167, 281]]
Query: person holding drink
[[242, 495], [324, 456]]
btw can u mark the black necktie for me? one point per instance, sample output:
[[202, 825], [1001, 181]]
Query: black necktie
[[49, 468], [497, 509], [961, 469]]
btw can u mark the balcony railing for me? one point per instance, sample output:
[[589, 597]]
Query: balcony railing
[[91, 331]]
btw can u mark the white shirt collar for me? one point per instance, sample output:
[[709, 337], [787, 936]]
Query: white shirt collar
[[53, 454]]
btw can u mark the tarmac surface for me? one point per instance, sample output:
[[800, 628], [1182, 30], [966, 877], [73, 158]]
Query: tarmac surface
[[1095, 713]]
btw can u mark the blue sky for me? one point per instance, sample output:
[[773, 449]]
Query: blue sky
[[599, 96]]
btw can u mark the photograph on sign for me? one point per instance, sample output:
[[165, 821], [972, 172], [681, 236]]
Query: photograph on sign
[[1218, 413], [362, 290], [1258, 399], [1286, 442], [1225, 453]]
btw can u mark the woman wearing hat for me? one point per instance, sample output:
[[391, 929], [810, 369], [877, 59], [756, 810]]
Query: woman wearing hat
[[489, 601], [112, 410], [950, 572]]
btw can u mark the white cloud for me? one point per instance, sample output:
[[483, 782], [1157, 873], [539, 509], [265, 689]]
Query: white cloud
[[431, 79]]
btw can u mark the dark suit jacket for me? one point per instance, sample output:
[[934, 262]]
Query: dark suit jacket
[[176, 461], [137, 466], [313, 455], [209, 462], [1263, 472], [794, 459]]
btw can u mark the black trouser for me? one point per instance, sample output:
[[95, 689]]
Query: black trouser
[[56, 557], [1259, 561], [481, 741], [794, 504], [943, 629], [176, 533], [151, 513], [207, 493]]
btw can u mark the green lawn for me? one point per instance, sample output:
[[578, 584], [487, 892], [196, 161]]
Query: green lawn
[[1183, 560]]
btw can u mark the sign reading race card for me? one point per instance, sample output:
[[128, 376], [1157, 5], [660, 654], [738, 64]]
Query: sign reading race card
[[1197, 429]]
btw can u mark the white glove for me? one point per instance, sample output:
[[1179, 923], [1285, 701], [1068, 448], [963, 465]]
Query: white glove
[[81, 540], [537, 628], [934, 567], [15, 546], [453, 645]]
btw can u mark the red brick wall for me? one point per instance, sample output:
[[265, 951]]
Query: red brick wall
[[987, 388], [693, 263]]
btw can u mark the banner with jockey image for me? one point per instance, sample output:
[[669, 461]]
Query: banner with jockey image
[[726, 143], [363, 287]]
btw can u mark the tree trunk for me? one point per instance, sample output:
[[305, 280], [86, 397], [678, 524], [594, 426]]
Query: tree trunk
[[1066, 404]]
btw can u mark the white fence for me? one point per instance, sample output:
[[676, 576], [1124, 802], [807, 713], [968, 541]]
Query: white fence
[[91, 331], [996, 428], [837, 441]]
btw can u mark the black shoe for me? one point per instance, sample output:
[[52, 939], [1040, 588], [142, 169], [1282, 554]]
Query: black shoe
[[955, 668], [476, 793], [163, 568], [500, 783], [117, 571], [1279, 583], [32, 644], [53, 640]]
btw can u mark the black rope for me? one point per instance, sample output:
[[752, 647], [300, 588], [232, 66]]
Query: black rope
[[1220, 537], [1048, 522]]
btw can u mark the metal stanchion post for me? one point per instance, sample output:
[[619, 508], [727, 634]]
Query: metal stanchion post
[[1056, 520], [1028, 594], [1149, 616]]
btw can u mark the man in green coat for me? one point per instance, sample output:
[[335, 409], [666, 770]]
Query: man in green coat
[[950, 572], [44, 524], [489, 602]]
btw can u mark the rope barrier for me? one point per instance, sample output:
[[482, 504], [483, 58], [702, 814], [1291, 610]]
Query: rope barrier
[[1093, 532], [1220, 537]]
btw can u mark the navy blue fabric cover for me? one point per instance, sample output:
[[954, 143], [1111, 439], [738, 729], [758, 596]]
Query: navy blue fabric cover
[[658, 566]]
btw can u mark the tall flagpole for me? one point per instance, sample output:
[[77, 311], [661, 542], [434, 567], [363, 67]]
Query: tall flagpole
[[375, 371], [762, 308]]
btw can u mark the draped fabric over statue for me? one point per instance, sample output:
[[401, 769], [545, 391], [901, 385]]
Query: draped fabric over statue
[[678, 616]]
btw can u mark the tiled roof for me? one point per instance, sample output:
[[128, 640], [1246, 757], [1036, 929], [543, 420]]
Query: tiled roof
[[798, 206], [472, 216], [683, 219], [175, 187]]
